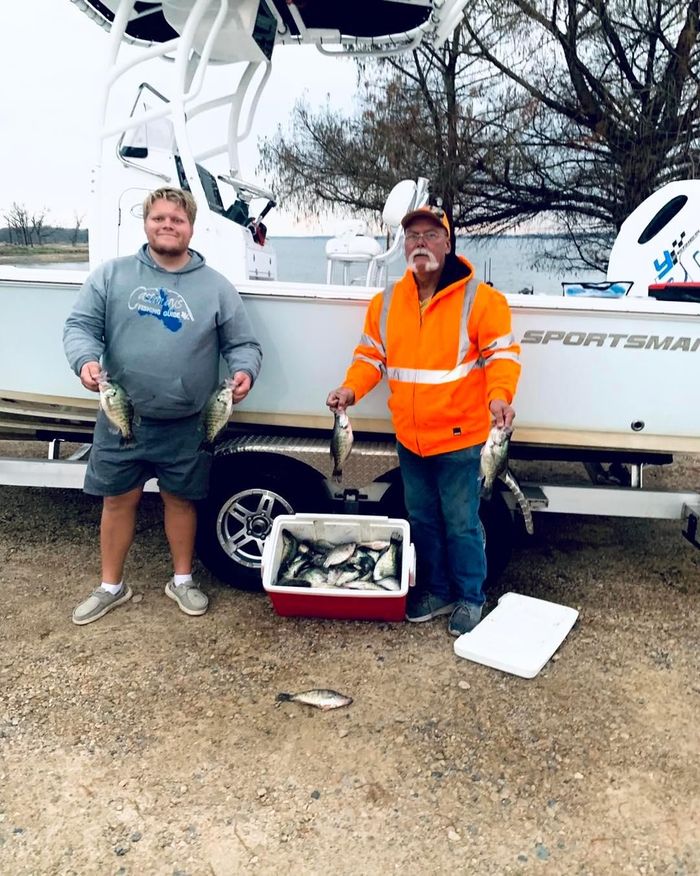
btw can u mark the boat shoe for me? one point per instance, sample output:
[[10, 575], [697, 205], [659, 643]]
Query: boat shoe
[[464, 618], [188, 596], [98, 603], [427, 606]]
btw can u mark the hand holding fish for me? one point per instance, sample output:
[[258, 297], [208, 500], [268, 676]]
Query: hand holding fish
[[340, 398], [341, 442], [117, 407], [90, 376], [217, 411], [503, 413], [240, 386]]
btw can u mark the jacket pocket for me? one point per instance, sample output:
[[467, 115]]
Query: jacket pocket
[[162, 396]]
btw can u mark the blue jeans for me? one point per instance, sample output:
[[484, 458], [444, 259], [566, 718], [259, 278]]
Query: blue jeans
[[441, 493]]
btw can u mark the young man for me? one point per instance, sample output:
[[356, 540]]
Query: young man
[[444, 341], [157, 322]]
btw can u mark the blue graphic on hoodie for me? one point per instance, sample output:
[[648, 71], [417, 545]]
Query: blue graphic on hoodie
[[167, 306]]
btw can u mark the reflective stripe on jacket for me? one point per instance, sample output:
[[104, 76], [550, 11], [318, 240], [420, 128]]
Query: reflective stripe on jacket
[[443, 367]]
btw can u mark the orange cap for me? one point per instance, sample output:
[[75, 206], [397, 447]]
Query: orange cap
[[434, 214]]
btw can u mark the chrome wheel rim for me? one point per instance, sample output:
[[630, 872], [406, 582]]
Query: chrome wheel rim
[[245, 521]]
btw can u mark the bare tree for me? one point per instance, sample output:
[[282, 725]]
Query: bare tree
[[413, 119], [37, 221], [19, 223], [570, 112], [602, 102], [78, 219]]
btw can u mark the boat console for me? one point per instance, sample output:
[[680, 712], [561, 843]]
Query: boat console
[[175, 44]]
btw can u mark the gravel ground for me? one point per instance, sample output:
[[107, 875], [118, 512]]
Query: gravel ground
[[150, 743]]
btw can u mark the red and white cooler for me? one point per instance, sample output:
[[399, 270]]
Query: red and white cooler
[[338, 603]]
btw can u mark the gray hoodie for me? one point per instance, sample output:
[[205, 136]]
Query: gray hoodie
[[160, 333]]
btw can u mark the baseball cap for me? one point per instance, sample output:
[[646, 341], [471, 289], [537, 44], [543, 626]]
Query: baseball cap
[[436, 215]]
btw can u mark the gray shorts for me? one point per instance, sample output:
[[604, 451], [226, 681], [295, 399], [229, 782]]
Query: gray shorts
[[168, 450]]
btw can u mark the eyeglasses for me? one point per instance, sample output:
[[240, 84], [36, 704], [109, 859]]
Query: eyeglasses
[[427, 236]]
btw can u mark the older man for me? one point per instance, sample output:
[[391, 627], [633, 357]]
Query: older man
[[158, 322], [444, 340]]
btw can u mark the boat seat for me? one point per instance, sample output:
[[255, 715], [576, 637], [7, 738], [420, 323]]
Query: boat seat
[[354, 246]]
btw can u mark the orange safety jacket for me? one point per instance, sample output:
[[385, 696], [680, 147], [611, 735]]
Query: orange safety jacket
[[443, 366]]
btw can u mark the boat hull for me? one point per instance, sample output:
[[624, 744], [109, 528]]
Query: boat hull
[[596, 373]]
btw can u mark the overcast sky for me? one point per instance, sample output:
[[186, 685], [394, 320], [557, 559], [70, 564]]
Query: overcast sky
[[51, 58]]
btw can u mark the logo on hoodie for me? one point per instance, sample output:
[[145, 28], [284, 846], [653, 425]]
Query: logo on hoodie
[[167, 306]]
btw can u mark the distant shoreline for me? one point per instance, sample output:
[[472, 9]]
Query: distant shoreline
[[11, 254]]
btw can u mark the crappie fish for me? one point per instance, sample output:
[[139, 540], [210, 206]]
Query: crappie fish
[[494, 457], [341, 443], [315, 577], [322, 698], [339, 554], [494, 464], [387, 565], [321, 564], [289, 549], [217, 411], [365, 585], [117, 407], [293, 582], [389, 583], [374, 545], [338, 577], [509, 480]]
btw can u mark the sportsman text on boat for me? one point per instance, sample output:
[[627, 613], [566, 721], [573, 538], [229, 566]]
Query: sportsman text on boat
[[612, 339]]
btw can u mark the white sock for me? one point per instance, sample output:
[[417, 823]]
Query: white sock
[[181, 579], [112, 588]]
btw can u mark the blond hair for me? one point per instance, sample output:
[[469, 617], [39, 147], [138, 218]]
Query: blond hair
[[175, 196]]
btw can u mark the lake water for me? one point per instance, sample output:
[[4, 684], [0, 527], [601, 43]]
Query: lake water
[[506, 261]]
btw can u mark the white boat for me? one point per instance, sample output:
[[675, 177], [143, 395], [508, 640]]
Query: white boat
[[596, 372], [614, 375]]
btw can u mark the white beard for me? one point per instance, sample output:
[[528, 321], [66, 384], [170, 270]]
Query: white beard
[[431, 265]]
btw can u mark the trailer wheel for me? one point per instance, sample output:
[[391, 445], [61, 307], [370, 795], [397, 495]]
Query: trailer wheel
[[247, 492], [495, 516]]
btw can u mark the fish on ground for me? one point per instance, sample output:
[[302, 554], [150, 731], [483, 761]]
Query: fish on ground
[[341, 443], [319, 698], [117, 407], [217, 411], [494, 466]]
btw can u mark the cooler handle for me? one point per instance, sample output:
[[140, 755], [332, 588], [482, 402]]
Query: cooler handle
[[382, 518], [265, 557], [411, 562]]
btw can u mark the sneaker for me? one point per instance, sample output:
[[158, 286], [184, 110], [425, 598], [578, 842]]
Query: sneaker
[[188, 596], [426, 607], [464, 618], [98, 603]]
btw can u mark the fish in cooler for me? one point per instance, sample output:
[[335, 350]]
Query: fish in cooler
[[372, 565]]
